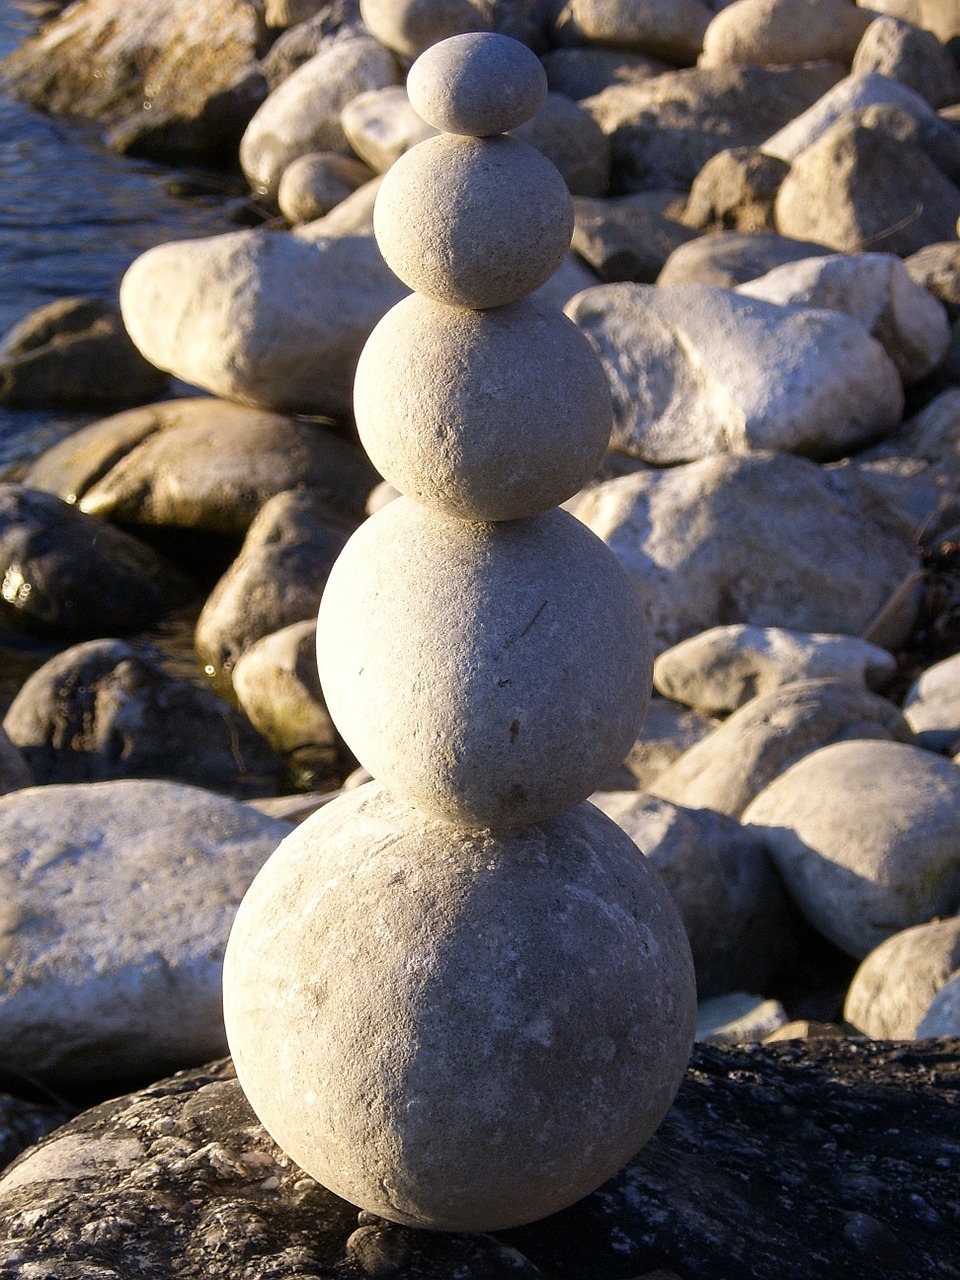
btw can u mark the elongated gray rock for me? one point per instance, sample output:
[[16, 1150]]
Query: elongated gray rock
[[766, 539], [118, 897], [695, 370]]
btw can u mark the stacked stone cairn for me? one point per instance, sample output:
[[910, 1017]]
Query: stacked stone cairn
[[458, 996]]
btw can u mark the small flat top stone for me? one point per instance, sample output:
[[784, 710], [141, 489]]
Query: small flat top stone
[[479, 84]]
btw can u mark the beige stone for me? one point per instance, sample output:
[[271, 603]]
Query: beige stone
[[895, 985], [477, 84], [411, 26], [783, 32]]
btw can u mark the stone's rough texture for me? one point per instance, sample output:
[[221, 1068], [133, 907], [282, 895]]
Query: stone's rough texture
[[493, 674], [725, 770], [777, 32], [201, 465], [892, 990], [721, 669], [695, 370], [877, 290], [735, 191], [204, 1184], [671, 29], [488, 415], [69, 575], [937, 268], [932, 704], [118, 897], [314, 184], [571, 139], [303, 113], [104, 710], [701, 547], [857, 188], [277, 578], [477, 84], [911, 56], [720, 876], [624, 239], [730, 258], [381, 126], [173, 80], [546, 1020], [665, 129], [943, 1016], [269, 319], [475, 222], [865, 836], [411, 26], [74, 353]]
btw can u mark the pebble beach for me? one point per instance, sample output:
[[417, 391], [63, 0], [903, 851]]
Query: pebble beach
[[764, 260]]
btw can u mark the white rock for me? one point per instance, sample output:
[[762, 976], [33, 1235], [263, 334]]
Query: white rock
[[529, 653], [866, 838], [874, 288], [721, 669], [474, 1030], [696, 370], [932, 704], [117, 901], [267, 318], [381, 126], [892, 990], [303, 112]]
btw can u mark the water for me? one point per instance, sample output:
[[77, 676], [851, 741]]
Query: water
[[73, 216]]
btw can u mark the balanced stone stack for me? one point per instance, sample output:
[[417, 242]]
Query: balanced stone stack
[[458, 996]]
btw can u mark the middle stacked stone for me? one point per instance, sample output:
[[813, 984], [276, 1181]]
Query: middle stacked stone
[[481, 652]]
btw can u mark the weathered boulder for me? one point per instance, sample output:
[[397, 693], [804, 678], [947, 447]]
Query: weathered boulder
[[911, 56], [893, 988], [624, 238], [768, 734], [865, 836], [735, 191], [272, 319], [104, 710], [721, 669], [28, 1117], [69, 575], [200, 464], [118, 898], [766, 539], [783, 32], [670, 29], [729, 258], [695, 370], [170, 79]]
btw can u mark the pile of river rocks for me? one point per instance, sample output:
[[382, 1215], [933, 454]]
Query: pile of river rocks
[[765, 258]]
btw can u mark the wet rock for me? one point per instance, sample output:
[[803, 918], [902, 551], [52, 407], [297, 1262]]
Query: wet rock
[[721, 669], [730, 258], [695, 370], [172, 81], [864, 835], [277, 579], [118, 900], [664, 130], [103, 710], [911, 56], [735, 191], [74, 353], [670, 29], [756, 744], [736, 915], [314, 184], [701, 547], [783, 32], [69, 575], [200, 464], [892, 990], [625, 239]]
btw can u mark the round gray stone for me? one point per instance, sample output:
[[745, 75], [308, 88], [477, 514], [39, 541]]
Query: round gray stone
[[892, 990], [493, 674], [488, 415], [475, 1030], [478, 84], [478, 222]]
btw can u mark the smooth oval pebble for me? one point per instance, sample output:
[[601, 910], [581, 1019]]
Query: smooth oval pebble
[[478, 84], [473, 222]]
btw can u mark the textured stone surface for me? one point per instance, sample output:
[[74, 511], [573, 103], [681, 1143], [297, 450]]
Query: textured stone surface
[[738, 1018], [725, 770], [582, 72], [118, 898], [911, 56], [895, 985], [721, 669], [865, 836], [735, 191], [729, 258], [778, 32], [477, 84], [720, 876], [488, 415], [530, 653], [381, 126], [545, 1023], [625, 239], [475, 222], [942, 17], [695, 370], [767, 539]]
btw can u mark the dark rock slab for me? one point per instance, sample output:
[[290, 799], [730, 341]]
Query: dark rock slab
[[791, 1161]]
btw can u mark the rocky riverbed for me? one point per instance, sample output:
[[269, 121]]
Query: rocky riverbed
[[765, 257]]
